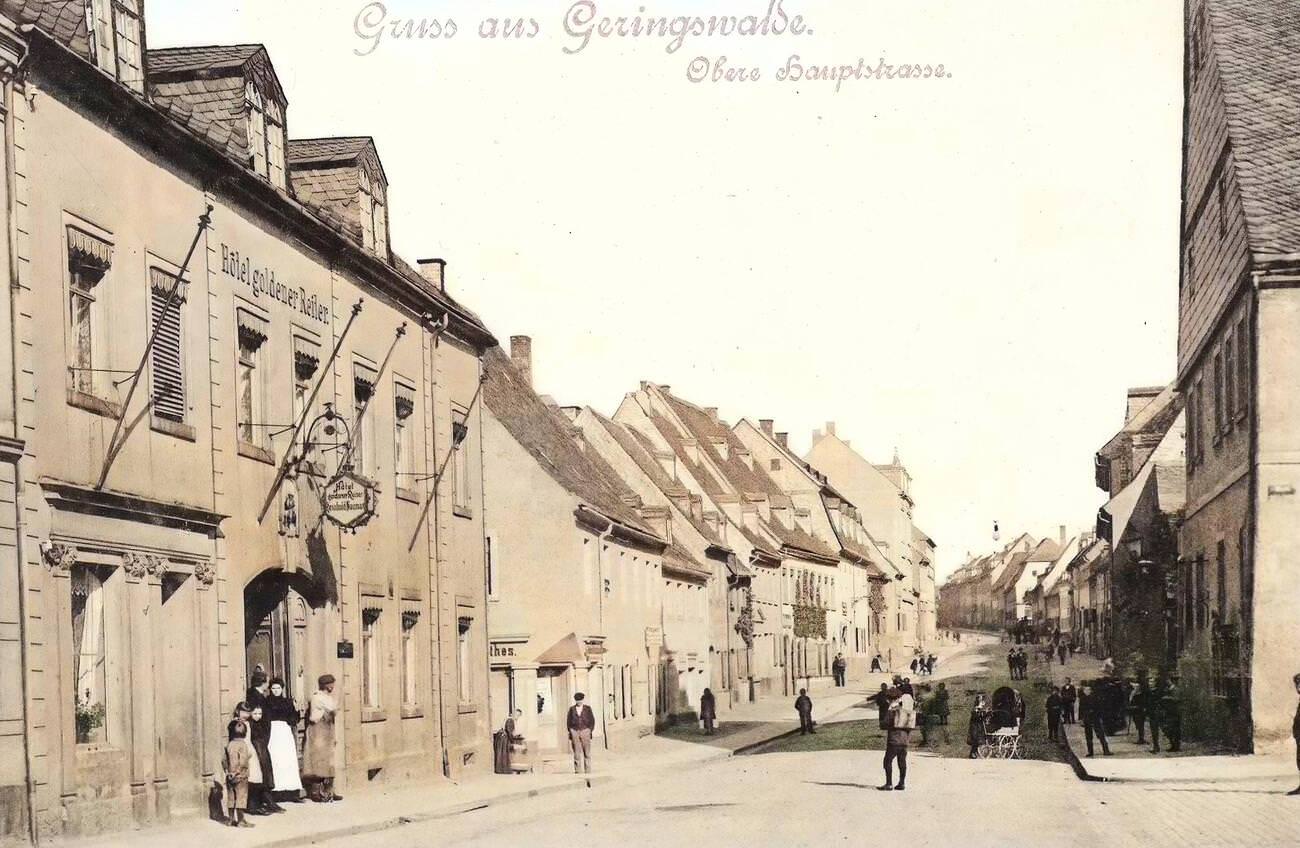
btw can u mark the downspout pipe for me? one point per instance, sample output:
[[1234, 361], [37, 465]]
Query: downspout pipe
[[11, 40]]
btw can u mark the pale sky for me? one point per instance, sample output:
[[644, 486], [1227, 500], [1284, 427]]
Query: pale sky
[[971, 269]]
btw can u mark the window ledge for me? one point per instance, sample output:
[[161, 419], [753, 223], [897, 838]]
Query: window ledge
[[178, 429], [466, 709], [408, 495], [462, 511], [255, 452], [91, 403], [369, 714], [412, 712]]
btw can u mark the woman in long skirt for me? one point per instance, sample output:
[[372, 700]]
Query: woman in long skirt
[[283, 715]]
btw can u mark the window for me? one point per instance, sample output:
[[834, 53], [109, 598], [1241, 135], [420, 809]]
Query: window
[[250, 379], [166, 361], [256, 108], [89, 259], [410, 665], [1243, 369], [275, 143], [1191, 268], [1218, 394], [115, 40], [126, 29], [1200, 599], [89, 654], [306, 362], [775, 464], [404, 435], [465, 660], [1199, 397], [363, 431], [490, 567], [1221, 580], [460, 478], [1229, 382], [370, 648], [374, 218]]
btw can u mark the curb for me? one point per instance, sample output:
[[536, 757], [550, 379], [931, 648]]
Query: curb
[[1077, 765], [745, 749], [416, 818]]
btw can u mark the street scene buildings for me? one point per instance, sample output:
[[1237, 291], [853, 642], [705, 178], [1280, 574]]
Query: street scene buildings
[[246, 440]]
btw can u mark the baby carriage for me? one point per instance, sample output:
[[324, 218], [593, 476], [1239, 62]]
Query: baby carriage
[[1002, 723]]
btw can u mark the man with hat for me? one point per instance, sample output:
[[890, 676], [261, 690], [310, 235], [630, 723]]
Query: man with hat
[[902, 720], [318, 750], [581, 723]]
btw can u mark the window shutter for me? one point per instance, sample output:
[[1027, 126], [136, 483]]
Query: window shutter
[[165, 356]]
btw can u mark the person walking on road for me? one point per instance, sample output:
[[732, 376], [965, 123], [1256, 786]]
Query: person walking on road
[[1068, 696], [1295, 732], [902, 720], [838, 666], [1090, 713], [1060, 651], [581, 724], [708, 711], [1054, 714], [1012, 663], [881, 700], [1138, 701], [803, 706]]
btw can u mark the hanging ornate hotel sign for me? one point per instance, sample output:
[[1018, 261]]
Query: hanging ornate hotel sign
[[348, 501]]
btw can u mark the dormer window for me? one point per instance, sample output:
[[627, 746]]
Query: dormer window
[[265, 135], [114, 27], [374, 217]]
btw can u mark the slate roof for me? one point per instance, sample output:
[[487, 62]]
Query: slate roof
[[638, 448], [1256, 43], [339, 149], [744, 478], [552, 442], [212, 109], [215, 57], [676, 556], [63, 20]]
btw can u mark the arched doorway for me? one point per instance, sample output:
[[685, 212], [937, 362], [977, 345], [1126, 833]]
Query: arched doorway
[[277, 610]]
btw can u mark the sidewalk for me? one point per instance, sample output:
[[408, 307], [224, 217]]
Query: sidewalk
[[1133, 763]]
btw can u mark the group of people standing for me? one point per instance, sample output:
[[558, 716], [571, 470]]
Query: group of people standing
[[1018, 663], [261, 756], [923, 664]]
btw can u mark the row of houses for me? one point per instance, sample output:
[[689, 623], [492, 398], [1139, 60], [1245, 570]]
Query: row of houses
[[239, 434], [1190, 574], [643, 556]]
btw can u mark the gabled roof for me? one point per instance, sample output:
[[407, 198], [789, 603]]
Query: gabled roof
[[340, 149], [1256, 43], [1154, 418], [552, 442], [216, 57], [1045, 551]]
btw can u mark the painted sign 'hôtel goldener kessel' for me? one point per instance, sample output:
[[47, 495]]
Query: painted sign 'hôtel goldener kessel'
[[208, 347]]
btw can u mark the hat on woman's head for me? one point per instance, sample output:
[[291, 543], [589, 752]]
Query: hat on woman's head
[[277, 681], [259, 677], [324, 680]]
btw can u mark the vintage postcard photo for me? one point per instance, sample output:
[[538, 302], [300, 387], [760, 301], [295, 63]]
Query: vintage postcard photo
[[650, 422]]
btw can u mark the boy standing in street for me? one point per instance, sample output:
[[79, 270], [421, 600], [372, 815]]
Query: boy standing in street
[[803, 706]]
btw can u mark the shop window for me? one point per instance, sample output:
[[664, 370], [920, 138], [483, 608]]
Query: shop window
[[410, 660], [363, 430], [250, 380], [464, 660], [371, 667], [404, 434], [89, 261], [90, 653], [166, 357], [461, 478]]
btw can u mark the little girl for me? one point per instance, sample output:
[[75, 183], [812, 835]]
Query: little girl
[[236, 763]]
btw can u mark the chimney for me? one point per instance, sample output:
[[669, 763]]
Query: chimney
[[783, 439], [435, 271], [765, 424], [521, 354], [816, 436], [830, 428], [712, 412], [1062, 535]]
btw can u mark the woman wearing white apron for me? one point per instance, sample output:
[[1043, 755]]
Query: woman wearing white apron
[[284, 717]]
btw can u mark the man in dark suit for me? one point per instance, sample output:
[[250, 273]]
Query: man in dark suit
[[1068, 696], [803, 706], [1090, 713], [581, 722]]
